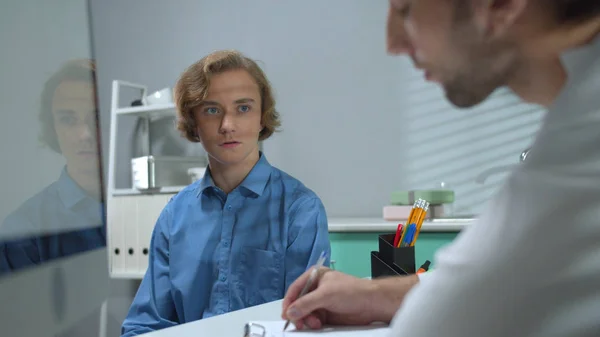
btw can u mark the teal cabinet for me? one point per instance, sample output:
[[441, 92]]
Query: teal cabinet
[[351, 251]]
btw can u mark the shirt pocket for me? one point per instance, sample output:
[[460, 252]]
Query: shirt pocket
[[260, 279]]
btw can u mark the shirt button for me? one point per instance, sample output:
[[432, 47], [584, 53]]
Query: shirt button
[[226, 243], [229, 207], [223, 278]]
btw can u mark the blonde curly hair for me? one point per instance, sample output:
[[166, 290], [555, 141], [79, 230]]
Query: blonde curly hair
[[192, 87]]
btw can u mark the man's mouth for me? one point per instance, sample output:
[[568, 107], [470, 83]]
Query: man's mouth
[[230, 144]]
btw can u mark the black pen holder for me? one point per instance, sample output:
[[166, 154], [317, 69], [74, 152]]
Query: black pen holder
[[390, 260]]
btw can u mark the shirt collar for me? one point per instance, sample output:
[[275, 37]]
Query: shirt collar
[[576, 59], [68, 191], [581, 64], [255, 182]]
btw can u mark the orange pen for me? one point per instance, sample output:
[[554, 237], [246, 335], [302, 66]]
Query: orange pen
[[424, 267]]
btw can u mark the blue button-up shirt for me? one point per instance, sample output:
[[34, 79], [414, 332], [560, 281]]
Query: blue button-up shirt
[[62, 208], [212, 252]]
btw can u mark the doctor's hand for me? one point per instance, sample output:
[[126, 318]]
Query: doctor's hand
[[337, 298]]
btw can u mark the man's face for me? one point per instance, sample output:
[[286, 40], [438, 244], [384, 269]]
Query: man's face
[[451, 41], [74, 112], [229, 118]]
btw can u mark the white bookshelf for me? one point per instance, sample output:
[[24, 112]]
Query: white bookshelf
[[132, 213], [148, 112]]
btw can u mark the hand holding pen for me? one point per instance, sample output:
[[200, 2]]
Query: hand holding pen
[[322, 296], [311, 279], [339, 299]]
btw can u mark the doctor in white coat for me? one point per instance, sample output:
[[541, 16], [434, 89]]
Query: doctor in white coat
[[530, 266]]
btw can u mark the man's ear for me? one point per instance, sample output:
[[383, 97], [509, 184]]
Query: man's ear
[[198, 135], [496, 17]]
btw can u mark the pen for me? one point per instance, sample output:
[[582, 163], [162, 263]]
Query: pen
[[311, 279], [410, 231], [424, 267], [412, 236], [398, 235]]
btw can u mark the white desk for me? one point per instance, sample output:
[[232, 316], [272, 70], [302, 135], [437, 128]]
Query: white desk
[[348, 225], [227, 325]]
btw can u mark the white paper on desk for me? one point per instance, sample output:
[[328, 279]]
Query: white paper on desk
[[275, 329]]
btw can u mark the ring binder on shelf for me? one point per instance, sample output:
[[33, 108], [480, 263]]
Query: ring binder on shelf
[[249, 330]]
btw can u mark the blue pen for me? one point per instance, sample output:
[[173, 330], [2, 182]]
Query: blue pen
[[409, 234], [412, 236]]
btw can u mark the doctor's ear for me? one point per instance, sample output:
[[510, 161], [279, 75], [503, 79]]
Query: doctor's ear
[[496, 17]]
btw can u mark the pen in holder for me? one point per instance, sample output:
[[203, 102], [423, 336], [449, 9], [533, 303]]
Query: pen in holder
[[390, 260]]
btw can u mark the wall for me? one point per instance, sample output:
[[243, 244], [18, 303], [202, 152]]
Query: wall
[[357, 123]]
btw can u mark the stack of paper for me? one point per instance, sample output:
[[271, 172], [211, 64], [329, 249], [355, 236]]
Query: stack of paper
[[275, 329]]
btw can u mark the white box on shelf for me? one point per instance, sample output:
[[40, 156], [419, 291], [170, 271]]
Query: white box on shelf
[[196, 173], [132, 212], [152, 172]]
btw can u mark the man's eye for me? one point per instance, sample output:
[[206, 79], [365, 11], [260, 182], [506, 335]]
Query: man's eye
[[212, 110], [404, 11], [402, 8], [244, 108], [68, 120]]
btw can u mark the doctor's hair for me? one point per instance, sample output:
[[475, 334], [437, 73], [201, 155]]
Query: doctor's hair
[[73, 70], [192, 88], [573, 11]]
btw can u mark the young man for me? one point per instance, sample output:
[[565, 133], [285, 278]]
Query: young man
[[531, 266], [242, 234], [69, 212]]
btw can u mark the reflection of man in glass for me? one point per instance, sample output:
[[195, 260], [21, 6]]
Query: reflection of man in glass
[[67, 216]]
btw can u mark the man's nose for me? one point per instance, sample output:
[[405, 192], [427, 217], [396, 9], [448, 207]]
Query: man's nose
[[397, 39], [87, 131], [227, 123]]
